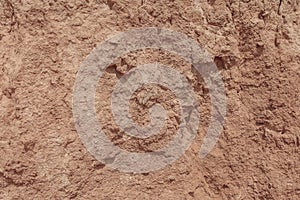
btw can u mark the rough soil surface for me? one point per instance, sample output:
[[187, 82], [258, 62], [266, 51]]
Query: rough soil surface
[[256, 46]]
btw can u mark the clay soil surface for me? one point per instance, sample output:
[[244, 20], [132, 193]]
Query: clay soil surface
[[256, 47]]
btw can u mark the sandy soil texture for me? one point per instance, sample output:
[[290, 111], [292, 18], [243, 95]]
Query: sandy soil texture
[[255, 45]]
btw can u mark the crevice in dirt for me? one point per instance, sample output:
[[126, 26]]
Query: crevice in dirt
[[110, 4], [279, 6]]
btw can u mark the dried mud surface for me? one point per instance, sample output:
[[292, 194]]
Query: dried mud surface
[[256, 46]]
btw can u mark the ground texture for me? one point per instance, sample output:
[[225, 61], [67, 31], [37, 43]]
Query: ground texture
[[256, 46]]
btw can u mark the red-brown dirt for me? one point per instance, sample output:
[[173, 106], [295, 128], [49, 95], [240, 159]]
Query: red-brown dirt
[[256, 46]]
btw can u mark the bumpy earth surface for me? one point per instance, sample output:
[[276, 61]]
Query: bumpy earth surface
[[256, 46]]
